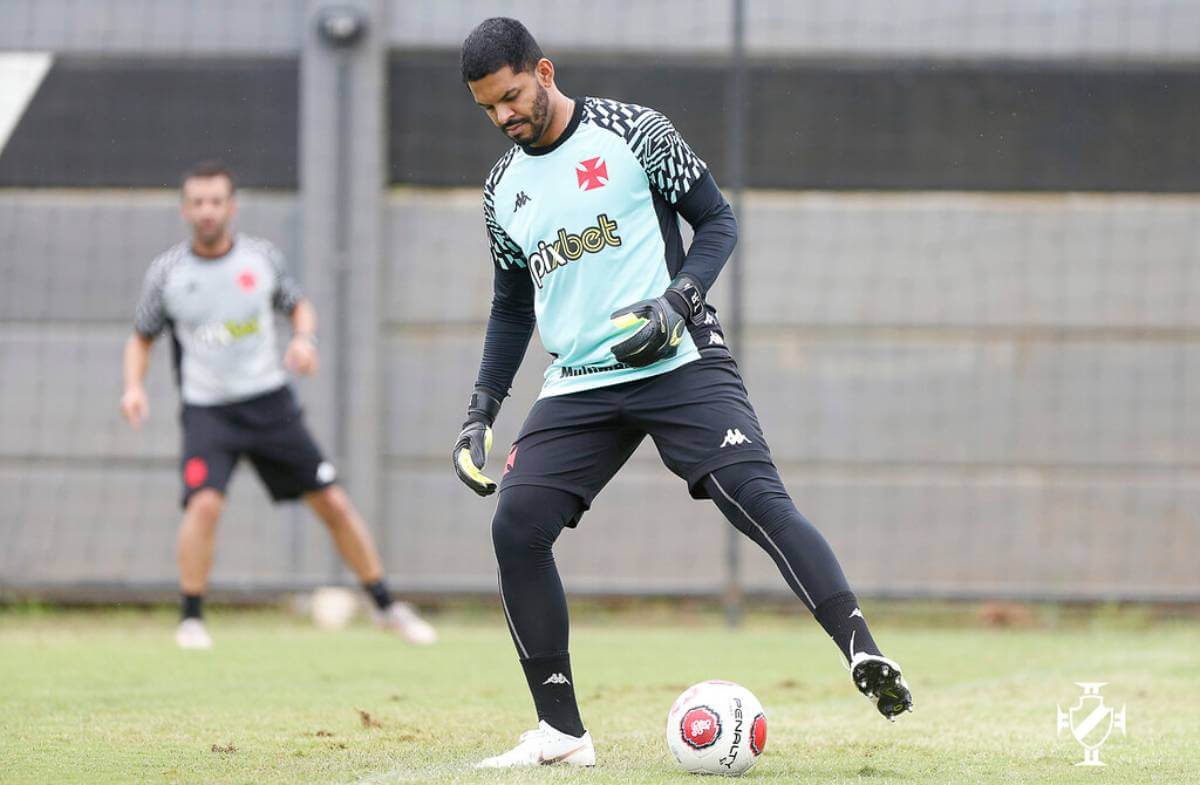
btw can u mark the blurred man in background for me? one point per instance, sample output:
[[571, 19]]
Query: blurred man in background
[[217, 293], [582, 218]]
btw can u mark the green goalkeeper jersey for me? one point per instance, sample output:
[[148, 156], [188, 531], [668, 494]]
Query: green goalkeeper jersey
[[588, 220]]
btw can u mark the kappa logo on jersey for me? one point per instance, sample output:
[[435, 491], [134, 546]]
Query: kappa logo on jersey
[[591, 174], [326, 473], [571, 247], [700, 727], [522, 200], [735, 437], [247, 280], [512, 460]]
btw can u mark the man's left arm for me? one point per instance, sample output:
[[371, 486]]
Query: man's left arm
[[682, 178], [301, 356], [715, 231]]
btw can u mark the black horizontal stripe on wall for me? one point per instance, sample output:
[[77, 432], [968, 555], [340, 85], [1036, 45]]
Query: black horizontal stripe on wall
[[142, 122], [904, 125], [812, 123]]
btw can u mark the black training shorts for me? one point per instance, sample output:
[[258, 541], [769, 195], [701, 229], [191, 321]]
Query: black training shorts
[[269, 430], [698, 415]]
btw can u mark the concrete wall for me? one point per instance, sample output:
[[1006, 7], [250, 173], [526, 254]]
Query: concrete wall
[[968, 394], [1104, 29]]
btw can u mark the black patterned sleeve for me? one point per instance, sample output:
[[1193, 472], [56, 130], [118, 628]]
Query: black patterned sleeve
[[150, 316], [669, 162], [287, 292], [511, 321], [506, 254]]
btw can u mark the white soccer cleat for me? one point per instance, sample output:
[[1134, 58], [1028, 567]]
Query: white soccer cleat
[[402, 619], [191, 634], [545, 746]]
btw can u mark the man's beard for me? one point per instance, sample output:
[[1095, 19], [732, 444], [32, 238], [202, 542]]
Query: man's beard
[[210, 237], [538, 120]]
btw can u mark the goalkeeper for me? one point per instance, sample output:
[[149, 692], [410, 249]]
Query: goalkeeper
[[581, 215]]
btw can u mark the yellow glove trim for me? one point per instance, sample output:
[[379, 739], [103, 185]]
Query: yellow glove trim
[[468, 466], [627, 320], [677, 336]]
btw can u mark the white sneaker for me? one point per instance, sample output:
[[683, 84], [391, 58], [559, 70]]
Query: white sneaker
[[544, 746], [191, 634], [402, 619]]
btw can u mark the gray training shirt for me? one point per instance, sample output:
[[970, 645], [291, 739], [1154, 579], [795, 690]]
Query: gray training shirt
[[220, 312]]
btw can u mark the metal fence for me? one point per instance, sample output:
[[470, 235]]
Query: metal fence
[[969, 299]]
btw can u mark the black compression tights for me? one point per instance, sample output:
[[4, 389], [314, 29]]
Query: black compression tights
[[751, 495]]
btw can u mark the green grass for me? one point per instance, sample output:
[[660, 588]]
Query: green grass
[[104, 697]]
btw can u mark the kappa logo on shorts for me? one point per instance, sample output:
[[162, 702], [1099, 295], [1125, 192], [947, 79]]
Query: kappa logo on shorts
[[326, 473], [735, 437]]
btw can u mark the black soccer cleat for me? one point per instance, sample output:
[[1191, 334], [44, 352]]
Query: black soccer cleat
[[881, 681]]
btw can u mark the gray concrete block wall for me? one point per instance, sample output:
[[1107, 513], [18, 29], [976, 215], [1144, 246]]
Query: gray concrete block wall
[[1038, 440], [1110, 29], [1015, 532], [995, 387], [1100, 29], [165, 28]]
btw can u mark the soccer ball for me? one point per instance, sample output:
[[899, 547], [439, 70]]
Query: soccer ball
[[716, 727], [333, 607]]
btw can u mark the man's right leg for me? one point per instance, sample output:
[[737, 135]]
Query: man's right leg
[[194, 550], [528, 520], [209, 457], [197, 540], [568, 449]]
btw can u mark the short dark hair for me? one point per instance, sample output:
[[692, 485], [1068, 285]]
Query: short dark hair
[[211, 168], [495, 43]]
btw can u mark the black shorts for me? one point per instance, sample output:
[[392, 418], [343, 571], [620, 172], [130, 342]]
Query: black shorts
[[699, 417], [269, 430]]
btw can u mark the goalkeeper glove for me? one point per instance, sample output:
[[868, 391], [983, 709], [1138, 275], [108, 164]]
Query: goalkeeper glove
[[475, 442], [663, 320]]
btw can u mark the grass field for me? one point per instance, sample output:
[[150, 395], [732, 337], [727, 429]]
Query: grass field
[[104, 697]]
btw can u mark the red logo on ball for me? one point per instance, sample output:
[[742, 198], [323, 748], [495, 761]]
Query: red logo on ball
[[592, 173], [758, 735], [700, 727], [195, 472]]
